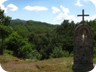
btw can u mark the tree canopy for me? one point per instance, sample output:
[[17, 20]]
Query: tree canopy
[[38, 40]]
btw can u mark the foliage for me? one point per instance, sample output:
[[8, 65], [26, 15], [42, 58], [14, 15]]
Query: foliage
[[20, 47], [8, 52], [28, 51], [25, 28], [58, 52], [45, 36], [14, 42], [63, 36], [5, 29], [38, 40]]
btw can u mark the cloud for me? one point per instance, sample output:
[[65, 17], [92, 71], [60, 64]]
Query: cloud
[[78, 3], [91, 17], [55, 10], [63, 14], [2, 1], [65, 10], [35, 8], [1, 4], [12, 7], [60, 16], [85, 0], [94, 2]]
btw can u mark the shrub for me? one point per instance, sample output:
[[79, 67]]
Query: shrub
[[8, 52], [58, 52], [28, 51], [14, 42], [21, 47]]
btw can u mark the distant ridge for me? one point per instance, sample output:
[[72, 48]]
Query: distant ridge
[[26, 27]]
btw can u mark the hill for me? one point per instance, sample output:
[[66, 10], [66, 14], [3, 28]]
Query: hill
[[26, 27]]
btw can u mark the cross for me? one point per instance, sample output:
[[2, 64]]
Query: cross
[[83, 15]]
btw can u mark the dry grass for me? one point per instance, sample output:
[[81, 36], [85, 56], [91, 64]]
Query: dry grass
[[13, 64], [51, 65]]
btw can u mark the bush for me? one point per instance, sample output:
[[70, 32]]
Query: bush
[[28, 51], [58, 52], [14, 42], [21, 47], [8, 52]]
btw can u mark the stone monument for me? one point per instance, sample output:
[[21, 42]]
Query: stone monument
[[83, 47]]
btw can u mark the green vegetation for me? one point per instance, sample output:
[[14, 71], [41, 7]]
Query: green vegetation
[[25, 28], [5, 29], [38, 40], [23, 43], [41, 37]]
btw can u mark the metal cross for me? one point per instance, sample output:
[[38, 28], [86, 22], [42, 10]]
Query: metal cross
[[83, 15]]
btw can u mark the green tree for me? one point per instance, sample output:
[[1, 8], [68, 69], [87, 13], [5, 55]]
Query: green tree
[[5, 29], [63, 36], [14, 42], [21, 47]]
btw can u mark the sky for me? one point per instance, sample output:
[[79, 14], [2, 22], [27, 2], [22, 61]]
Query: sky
[[50, 11]]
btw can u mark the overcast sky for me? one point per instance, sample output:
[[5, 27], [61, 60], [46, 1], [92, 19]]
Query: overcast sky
[[50, 11]]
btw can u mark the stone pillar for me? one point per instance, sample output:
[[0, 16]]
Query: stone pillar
[[83, 49]]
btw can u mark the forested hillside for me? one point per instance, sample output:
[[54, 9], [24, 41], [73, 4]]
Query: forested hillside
[[24, 28], [38, 40]]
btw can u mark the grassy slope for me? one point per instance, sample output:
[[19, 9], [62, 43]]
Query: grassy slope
[[51, 65], [13, 64]]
